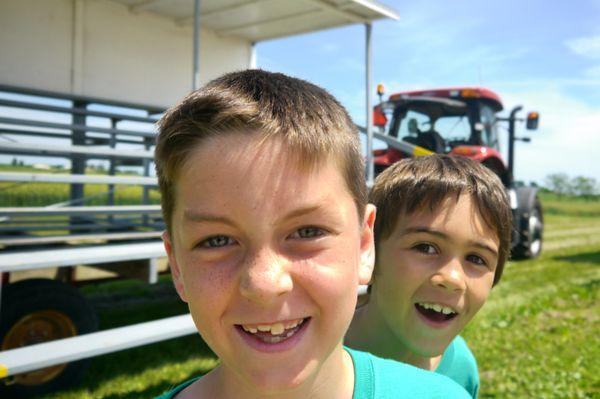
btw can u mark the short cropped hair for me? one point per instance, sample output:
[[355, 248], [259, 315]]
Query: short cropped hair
[[311, 123], [423, 183]]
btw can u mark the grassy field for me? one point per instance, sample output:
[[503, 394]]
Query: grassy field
[[537, 337]]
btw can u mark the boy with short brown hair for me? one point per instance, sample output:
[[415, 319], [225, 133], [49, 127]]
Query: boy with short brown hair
[[442, 236], [268, 236]]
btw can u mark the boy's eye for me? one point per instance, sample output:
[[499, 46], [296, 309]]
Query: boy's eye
[[426, 249], [216, 242], [478, 260], [308, 232]]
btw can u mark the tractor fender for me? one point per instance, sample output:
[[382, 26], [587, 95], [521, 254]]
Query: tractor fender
[[525, 200], [528, 222]]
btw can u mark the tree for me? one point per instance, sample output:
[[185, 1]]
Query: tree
[[558, 183], [584, 186]]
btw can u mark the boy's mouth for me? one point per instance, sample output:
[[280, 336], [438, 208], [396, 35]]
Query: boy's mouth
[[435, 312], [273, 333]]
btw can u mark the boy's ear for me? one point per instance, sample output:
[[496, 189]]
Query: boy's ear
[[367, 245], [175, 271]]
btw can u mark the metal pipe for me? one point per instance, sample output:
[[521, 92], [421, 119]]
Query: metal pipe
[[196, 61], [511, 142], [369, 99]]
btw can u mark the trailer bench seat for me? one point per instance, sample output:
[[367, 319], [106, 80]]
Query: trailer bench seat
[[34, 357], [80, 255]]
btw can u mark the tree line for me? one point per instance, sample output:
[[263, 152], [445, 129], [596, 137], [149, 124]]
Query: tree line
[[581, 186]]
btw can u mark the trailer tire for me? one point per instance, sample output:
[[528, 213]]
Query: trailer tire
[[531, 234], [40, 310]]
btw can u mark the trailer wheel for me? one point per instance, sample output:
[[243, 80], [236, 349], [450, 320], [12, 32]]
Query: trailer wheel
[[40, 310], [530, 243]]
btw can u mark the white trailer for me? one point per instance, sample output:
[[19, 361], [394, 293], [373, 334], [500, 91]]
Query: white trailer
[[101, 59]]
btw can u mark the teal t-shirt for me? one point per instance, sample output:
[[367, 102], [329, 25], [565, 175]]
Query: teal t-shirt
[[376, 378], [459, 364]]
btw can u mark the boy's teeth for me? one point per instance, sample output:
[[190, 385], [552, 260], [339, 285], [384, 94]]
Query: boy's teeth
[[274, 329], [277, 329], [292, 324], [438, 308]]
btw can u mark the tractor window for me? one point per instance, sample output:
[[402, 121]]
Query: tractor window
[[489, 136], [421, 122], [454, 129]]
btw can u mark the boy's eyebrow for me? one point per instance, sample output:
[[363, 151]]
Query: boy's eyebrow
[[206, 217], [421, 229], [301, 211], [484, 247]]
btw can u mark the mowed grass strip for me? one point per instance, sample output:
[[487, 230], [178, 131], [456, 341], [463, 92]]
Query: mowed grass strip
[[537, 335], [535, 338]]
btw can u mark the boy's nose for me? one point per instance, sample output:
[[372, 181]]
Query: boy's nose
[[265, 277], [450, 276]]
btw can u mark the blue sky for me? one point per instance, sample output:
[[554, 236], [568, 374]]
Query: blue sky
[[544, 55]]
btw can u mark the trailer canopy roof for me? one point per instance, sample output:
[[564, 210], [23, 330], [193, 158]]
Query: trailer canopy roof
[[257, 20]]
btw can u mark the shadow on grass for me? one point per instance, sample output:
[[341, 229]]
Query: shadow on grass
[[133, 368], [129, 364], [588, 257]]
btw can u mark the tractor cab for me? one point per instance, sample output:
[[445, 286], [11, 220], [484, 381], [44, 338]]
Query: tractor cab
[[456, 121], [462, 122]]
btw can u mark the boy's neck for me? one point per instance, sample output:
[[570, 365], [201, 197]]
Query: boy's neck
[[335, 379], [370, 333]]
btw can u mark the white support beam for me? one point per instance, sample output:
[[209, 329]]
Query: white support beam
[[92, 255], [369, 101], [34, 357], [344, 14], [79, 210], [82, 179], [77, 46], [80, 238], [196, 47], [75, 149]]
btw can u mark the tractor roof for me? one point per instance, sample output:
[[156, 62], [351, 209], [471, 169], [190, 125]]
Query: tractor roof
[[458, 93]]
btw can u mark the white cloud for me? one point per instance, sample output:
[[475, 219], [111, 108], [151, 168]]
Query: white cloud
[[567, 140], [593, 72], [588, 46]]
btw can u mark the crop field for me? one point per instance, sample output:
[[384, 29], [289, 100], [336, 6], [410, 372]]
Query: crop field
[[44, 194], [537, 337]]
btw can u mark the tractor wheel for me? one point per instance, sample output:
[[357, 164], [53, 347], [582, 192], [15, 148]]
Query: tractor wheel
[[530, 244], [40, 310]]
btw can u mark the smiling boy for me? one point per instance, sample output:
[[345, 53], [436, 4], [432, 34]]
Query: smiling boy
[[268, 236], [442, 236]]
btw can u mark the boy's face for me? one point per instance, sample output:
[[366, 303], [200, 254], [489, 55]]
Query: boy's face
[[434, 273], [260, 244]]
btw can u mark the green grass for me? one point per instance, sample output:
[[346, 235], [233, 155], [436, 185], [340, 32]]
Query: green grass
[[537, 337]]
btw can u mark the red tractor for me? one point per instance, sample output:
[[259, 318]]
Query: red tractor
[[462, 122]]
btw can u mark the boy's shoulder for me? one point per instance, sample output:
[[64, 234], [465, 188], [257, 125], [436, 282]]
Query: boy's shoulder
[[386, 379], [459, 364]]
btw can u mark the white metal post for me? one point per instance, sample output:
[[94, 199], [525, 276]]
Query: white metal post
[[369, 98], [196, 61], [253, 56]]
